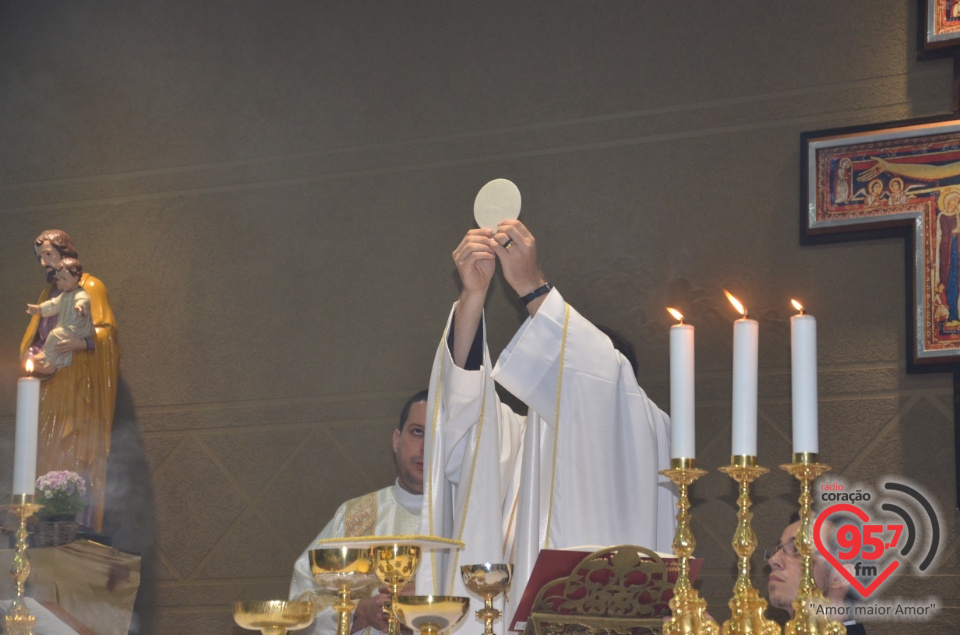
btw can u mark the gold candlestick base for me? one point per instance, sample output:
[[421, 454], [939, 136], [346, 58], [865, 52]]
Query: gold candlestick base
[[806, 467], [19, 621], [688, 609], [746, 606]]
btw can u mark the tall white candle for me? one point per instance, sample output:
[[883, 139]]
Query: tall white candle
[[745, 345], [25, 442], [682, 431], [803, 367]]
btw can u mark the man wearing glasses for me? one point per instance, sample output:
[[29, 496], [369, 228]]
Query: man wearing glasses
[[784, 580]]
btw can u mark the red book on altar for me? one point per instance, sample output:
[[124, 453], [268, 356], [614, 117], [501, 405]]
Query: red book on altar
[[556, 564]]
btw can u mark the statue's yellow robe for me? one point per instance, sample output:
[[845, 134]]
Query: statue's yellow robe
[[77, 403]]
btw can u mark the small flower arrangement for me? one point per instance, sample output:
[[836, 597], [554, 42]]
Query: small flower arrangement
[[61, 494]]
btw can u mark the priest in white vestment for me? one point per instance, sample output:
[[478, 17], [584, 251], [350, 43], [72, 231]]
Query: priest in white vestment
[[391, 511], [581, 469]]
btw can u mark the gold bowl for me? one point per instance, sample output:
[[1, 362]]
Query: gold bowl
[[430, 614], [341, 568], [396, 564], [273, 617], [487, 579]]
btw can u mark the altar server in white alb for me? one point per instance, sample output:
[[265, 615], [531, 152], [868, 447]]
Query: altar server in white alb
[[582, 468]]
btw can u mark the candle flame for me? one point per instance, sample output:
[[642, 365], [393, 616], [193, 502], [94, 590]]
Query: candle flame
[[676, 314], [736, 303], [797, 306], [28, 366]]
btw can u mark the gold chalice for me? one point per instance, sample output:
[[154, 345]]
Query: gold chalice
[[488, 581], [273, 617], [430, 614], [346, 572], [396, 564]]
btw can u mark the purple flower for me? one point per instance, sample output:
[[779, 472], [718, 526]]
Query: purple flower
[[61, 493]]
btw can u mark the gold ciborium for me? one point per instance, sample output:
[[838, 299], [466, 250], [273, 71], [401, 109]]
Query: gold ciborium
[[430, 614], [488, 581], [346, 572], [396, 564], [273, 617]]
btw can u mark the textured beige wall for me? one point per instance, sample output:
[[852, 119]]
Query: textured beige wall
[[271, 190]]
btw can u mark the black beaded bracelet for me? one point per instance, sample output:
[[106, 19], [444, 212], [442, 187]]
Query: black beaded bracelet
[[536, 293]]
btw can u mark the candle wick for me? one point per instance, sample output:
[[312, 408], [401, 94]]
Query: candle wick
[[746, 314]]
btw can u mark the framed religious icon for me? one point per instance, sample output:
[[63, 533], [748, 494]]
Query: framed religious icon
[[903, 179], [938, 27]]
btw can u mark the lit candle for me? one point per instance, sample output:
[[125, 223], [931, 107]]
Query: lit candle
[[803, 375], [682, 435], [25, 442], [745, 345]]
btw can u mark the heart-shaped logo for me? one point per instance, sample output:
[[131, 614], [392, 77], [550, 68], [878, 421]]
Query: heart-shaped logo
[[876, 543]]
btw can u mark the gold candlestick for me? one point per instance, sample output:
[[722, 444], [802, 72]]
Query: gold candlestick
[[19, 621], [746, 605], [688, 610], [806, 467]]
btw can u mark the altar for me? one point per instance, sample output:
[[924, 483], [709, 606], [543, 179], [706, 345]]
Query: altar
[[95, 584]]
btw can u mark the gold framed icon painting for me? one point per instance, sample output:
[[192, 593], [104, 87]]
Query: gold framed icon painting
[[938, 27], [895, 179]]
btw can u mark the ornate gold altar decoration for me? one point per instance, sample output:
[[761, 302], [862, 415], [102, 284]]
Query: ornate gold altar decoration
[[19, 621], [688, 610], [806, 467], [746, 605], [622, 590]]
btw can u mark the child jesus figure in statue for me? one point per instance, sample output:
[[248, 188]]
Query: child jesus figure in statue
[[72, 307]]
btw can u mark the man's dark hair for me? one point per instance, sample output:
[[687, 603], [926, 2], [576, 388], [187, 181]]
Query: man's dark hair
[[621, 344], [417, 398]]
